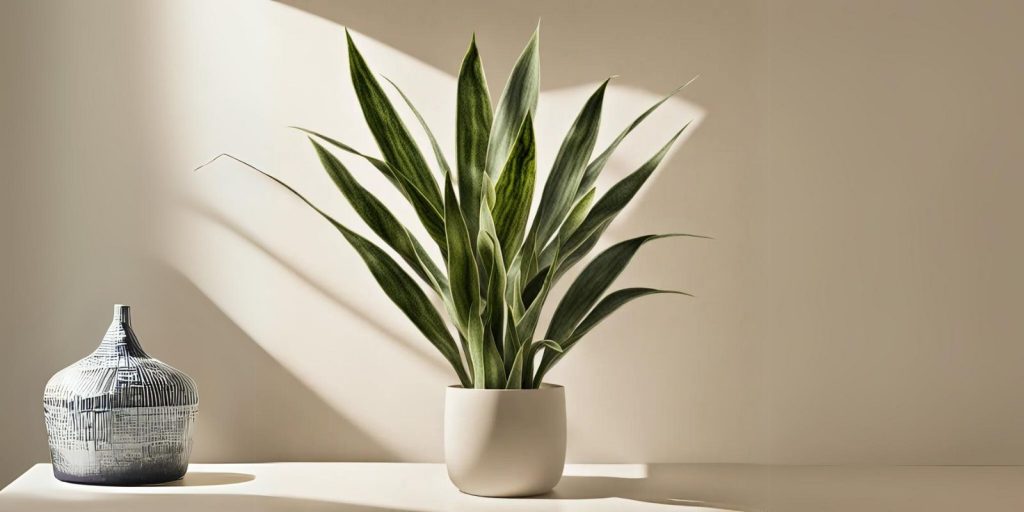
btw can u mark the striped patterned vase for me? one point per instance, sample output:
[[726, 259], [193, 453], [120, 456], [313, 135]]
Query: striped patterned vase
[[120, 417]]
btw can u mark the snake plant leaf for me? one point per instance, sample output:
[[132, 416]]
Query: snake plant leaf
[[442, 162], [533, 288], [617, 197], [526, 326], [547, 256], [396, 144], [573, 221], [495, 377], [430, 217], [397, 285], [515, 374], [475, 341], [597, 165], [473, 119], [595, 278], [381, 221], [518, 99], [462, 269], [404, 292], [567, 170], [608, 305], [521, 360], [494, 305], [514, 191]]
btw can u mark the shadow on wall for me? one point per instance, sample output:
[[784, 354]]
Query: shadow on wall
[[251, 407]]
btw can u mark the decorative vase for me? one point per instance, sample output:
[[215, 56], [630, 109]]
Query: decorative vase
[[118, 416], [505, 442]]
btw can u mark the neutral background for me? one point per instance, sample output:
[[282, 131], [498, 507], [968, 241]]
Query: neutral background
[[859, 164]]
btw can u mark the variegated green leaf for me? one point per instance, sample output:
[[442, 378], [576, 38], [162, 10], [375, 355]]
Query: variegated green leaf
[[573, 221], [397, 285], [613, 201], [518, 99], [442, 162], [462, 269], [590, 284], [514, 191], [396, 144], [381, 221], [567, 170], [597, 165], [521, 374], [608, 305], [430, 217], [494, 309], [473, 119]]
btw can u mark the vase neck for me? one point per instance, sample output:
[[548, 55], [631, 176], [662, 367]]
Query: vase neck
[[120, 339]]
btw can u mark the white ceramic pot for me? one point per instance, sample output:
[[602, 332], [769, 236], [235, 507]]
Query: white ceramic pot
[[505, 442]]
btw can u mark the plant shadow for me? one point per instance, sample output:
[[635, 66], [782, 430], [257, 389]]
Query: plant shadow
[[723, 487]]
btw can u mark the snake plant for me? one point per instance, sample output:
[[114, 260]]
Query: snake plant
[[496, 267]]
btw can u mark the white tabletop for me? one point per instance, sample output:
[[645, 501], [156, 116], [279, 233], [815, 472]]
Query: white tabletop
[[374, 487]]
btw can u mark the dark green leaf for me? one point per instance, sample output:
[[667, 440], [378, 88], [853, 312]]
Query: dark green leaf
[[438, 154], [596, 166], [396, 144], [472, 128], [613, 201], [462, 270], [608, 305], [379, 218], [429, 216], [398, 286], [560, 189], [518, 99], [590, 284], [514, 191]]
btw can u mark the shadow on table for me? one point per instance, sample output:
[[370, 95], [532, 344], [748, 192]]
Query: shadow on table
[[180, 502], [206, 478], [725, 487]]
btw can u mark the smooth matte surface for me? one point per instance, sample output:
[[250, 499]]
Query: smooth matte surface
[[593, 487], [505, 442]]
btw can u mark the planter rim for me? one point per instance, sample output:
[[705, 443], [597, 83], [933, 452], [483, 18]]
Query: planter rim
[[545, 386]]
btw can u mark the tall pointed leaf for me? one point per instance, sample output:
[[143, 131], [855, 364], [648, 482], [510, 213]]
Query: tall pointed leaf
[[442, 162], [573, 221], [567, 170], [591, 283], [430, 217], [514, 191], [617, 197], [462, 269], [382, 221], [396, 144], [608, 305], [525, 353], [494, 309], [472, 128], [518, 99], [397, 285], [597, 165]]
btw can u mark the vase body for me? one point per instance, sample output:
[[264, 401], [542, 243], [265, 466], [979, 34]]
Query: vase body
[[504, 443], [119, 416]]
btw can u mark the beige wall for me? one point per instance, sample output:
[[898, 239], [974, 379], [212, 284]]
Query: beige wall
[[857, 162]]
